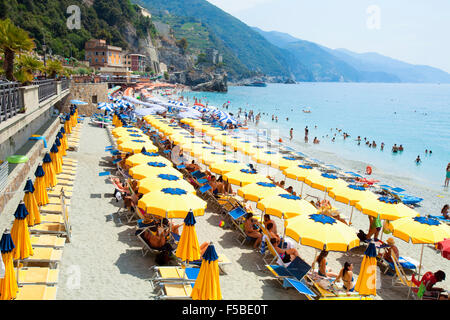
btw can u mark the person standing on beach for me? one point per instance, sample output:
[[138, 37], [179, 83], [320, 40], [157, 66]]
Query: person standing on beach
[[447, 175], [291, 132]]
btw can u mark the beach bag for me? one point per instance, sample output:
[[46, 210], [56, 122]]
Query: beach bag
[[324, 284]]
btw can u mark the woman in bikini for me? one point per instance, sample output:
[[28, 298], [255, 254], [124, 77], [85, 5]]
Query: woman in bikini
[[322, 262], [346, 275]]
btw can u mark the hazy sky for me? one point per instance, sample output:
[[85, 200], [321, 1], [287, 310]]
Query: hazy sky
[[414, 31]]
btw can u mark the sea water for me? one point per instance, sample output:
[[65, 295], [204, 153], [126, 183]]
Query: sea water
[[417, 116]]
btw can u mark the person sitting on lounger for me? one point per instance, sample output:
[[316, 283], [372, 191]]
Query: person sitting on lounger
[[216, 187], [251, 229], [157, 241], [192, 167], [267, 220], [346, 275], [290, 189], [322, 262], [392, 251], [224, 186], [444, 212], [429, 279], [286, 255], [272, 233]]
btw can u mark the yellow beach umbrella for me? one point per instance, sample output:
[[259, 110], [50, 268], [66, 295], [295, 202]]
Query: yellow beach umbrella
[[226, 166], [8, 284], [420, 230], [366, 283], [172, 203], [284, 162], [132, 136], [20, 234], [56, 160], [34, 217], [200, 149], [388, 208], [321, 232], [324, 181], [50, 174], [266, 156], [63, 147], [193, 144], [118, 132], [188, 248], [285, 206], [300, 172], [60, 152], [243, 145], [253, 149], [220, 138], [162, 181], [260, 190], [232, 142], [207, 285], [244, 177], [136, 145], [350, 194], [149, 169], [67, 126], [213, 156], [143, 158], [39, 187]]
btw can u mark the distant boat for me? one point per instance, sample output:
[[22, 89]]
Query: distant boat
[[256, 84]]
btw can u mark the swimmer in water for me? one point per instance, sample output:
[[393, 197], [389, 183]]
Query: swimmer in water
[[418, 160]]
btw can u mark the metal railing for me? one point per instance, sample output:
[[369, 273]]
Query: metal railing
[[10, 101], [65, 84], [47, 89]]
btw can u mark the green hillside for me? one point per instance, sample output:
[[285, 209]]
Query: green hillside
[[242, 48], [104, 19]]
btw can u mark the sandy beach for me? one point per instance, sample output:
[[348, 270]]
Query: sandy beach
[[104, 260]]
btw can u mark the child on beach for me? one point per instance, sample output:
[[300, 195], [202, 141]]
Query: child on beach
[[447, 175]]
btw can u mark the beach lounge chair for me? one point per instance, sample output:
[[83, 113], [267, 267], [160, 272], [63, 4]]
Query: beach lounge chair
[[47, 241], [41, 255], [175, 291], [400, 279], [65, 177], [56, 191], [441, 219], [222, 261], [36, 292], [175, 273], [146, 248], [36, 275]]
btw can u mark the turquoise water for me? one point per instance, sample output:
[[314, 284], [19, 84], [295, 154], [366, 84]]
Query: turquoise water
[[414, 115]]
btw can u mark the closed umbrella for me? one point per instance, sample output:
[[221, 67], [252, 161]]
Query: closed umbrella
[[207, 285], [50, 174], [39, 187], [366, 283], [60, 153], [188, 248], [152, 169], [20, 234], [8, 285], [34, 216], [172, 203], [56, 160], [67, 126], [63, 146], [64, 142], [162, 181]]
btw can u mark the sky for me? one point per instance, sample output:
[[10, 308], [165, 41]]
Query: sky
[[414, 31]]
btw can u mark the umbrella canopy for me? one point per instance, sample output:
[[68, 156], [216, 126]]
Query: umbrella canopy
[[244, 177], [136, 145], [118, 132], [8, 285], [212, 156], [78, 102], [226, 166], [300, 172], [152, 110], [188, 248], [143, 158], [321, 232], [34, 216], [324, 181], [150, 169], [284, 162], [388, 208], [260, 190], [20, 234], [444, 246], [40, 192], [350, 194], [266, 157], [162, 181], [50, 174], [104, 106], [425, 230], [207, 285], [285, 206], [198, 150], [133, 136], [172, 203], [366, 283]]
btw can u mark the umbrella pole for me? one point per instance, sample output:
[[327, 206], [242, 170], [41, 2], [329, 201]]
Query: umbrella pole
[[351, 215], [420, 264], [314, 261], [301, 191]]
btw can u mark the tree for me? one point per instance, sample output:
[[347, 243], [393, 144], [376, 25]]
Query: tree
[[54, 68], [26, 67], [13, 40], [166, 75], [183, 44]]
